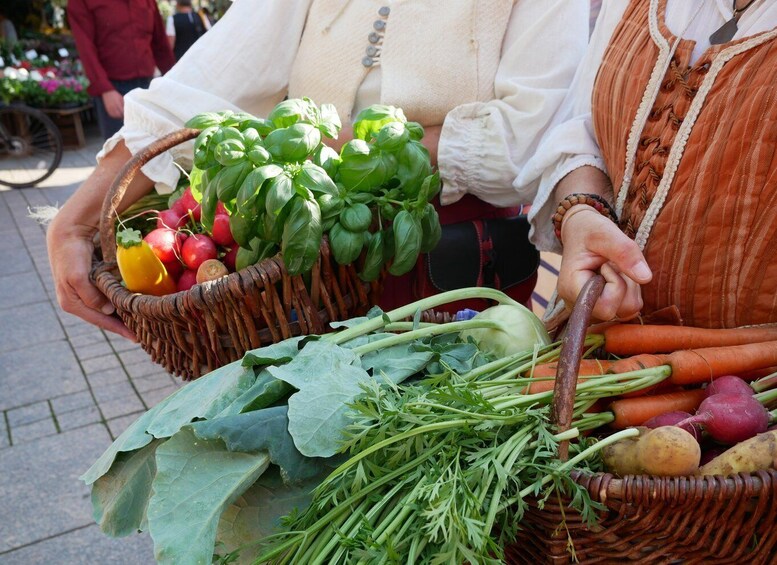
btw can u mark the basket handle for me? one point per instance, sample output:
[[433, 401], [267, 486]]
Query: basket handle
[[116, 192], [569, 358]]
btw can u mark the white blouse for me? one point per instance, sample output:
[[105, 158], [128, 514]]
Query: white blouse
[[570, 143], [245, 61]]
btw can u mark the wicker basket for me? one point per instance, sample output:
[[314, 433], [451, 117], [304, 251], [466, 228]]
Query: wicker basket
[[692, 520], [193, 332]]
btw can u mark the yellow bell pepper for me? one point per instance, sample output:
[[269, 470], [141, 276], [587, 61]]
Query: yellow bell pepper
[[140, 268]]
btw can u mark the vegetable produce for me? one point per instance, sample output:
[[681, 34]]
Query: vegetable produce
[[221, 232], [636, 411], [620, 457], [140, 268], [729, 384], [758, 453], [197, 249], [171, 219], [588, 367], [211, 270], [166, 243], [668, 451], [187, 205], [730, 418], [187, 280], [517, 329], [672, 419], [632, 339]]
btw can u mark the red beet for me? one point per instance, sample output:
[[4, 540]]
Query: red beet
[[729, 385], [731, 418], [229, 258], [187, 280], [166, 243], [221, 232], [198, 249], [672, 419], [171, 219]]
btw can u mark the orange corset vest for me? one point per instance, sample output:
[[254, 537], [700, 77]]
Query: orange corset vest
[[691, 150]]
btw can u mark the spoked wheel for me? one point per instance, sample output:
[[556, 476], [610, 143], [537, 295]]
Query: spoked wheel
[[30, 146]]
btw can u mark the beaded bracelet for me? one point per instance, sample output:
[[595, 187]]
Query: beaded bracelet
[[593, 200]]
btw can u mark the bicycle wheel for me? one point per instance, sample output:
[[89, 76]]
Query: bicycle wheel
[[30, 146]]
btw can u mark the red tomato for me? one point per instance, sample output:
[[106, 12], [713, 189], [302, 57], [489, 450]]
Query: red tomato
[[187, 280], [166, 243], [221, 232], [198, 249]]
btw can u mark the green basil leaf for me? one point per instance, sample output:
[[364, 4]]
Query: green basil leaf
[[280, 191], [359, 172], [243, 228], [204, 120], [293, 144], [229, 180], [328, 159], [373, 261], [356, 218], [355, 147], [251, 137], [369, 121], [415, 130], [315, 179], [272, 224], [230, 152], [301, 238], [346, 246], [328, 122], [331, 206], [251, 188], [430, 228], [392, 137], [388, 211], [290, 111], [256, 251], [407, 243], [414, 166]]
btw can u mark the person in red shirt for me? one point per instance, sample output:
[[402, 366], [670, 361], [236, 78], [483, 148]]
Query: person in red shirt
[[120, 43]]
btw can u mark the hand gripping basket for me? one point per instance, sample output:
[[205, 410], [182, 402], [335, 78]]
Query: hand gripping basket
[[651, 520], [191, 333]]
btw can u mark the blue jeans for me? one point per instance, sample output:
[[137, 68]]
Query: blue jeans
[[109, 125]]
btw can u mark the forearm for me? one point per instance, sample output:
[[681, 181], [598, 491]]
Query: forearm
[[587, 179]]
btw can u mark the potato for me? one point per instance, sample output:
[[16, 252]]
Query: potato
[[620, 458], [668, 451], [755, 454]]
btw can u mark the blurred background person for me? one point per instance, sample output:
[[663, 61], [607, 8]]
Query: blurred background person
[[185, 27], [120, 44], [8, 35]]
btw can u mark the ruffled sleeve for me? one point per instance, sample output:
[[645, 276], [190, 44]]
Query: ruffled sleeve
[[243, 63], [484, 146]]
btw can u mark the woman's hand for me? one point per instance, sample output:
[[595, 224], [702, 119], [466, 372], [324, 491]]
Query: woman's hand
[[593, 242]]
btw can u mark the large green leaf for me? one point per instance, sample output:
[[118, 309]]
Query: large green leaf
[[120, 496], [195, 481], [263, 430], [256, 514], [266, 391], [396, 363], [328, 379], [273, 354]]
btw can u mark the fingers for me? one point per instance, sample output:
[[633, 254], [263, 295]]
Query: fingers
[[621, 297], [624, 253]]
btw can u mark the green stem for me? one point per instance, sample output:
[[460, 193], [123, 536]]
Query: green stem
[[766, 397], [424, 304], [764, 383]]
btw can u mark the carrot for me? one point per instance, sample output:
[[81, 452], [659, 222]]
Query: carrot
[[697, 366], [637, 363], [632, 339], [588, 367], [636, 411]]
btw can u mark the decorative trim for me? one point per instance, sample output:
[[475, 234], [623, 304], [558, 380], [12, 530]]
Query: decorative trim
[[678, 147]]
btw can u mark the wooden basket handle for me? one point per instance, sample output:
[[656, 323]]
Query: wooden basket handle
[[570, 356], [116, 192]]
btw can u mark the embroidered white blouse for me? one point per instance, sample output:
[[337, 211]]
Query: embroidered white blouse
[[570, 142], [247, 60]]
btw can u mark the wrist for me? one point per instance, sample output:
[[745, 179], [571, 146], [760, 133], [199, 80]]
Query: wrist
[[577, 200], [573, 211]]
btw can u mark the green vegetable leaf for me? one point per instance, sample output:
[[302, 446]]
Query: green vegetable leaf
[[120, 496], [328, 121], [346, 245], [263, 430], [328, 159], [413, 167], [228, 181], [373, 261], [328, 379], [392, 137], [315, 179], [396, 363], [248, 194], [291, 111], [266, 391], [369, 121], [366, 172], [331, 206], [230, 152], [195, 481], [301, 236], [415, 130], [293, 144], [407, 243], [243, 228], [273, 354], [280, 190], [356, 218], [430, 228], [204, 120]]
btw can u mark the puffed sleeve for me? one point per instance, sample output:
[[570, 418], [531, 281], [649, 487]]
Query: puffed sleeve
[[570, 142], [484, 145], [242, 64]]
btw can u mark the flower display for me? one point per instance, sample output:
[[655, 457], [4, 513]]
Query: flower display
[[42, 82]]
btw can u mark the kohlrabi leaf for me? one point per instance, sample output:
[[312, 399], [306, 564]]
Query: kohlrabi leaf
[[328, 379], [273, 354], [195, 481], [265, 391], [120, 496], [396, 363]]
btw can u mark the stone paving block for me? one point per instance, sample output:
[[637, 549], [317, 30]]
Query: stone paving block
[[30, 324], [154, 380], [37, 373], [93, 350], [85, 546], [88, 338], [78, 418], [69, 320], [78, 328], [40, 490], [21, 288], [133, 356], [36, 430], [29, 414], [118, 399], [102, 363], [15, 260], [118, 425], [68, 402], [11, 238], [123, 344], [111, 376], [142, 368], [5, 439], [154, 396]]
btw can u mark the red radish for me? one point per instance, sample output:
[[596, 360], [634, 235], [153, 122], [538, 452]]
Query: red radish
[[730, 418], [179, 207], [230, 257], [171, 219], [211, 270], [188, 203], [187, 280], [221, 209], [174, 268], [166, 243], [672, 419], [221, 232], [198, 249], [729, 385]]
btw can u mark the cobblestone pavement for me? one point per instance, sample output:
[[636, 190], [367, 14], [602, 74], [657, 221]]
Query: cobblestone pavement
[[67, 390]]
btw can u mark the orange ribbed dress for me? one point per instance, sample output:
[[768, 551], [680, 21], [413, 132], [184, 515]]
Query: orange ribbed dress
[[691, 150]]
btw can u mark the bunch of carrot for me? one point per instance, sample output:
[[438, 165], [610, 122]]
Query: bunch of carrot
[[695, 356]]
